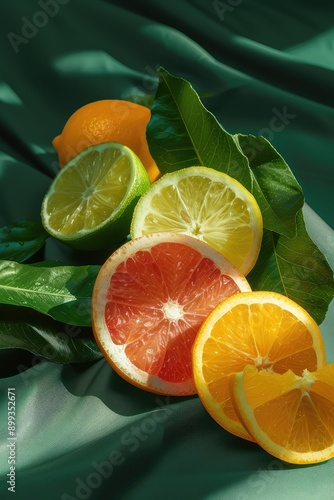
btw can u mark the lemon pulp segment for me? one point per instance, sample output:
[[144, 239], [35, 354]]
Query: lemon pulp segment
[[208, 205]]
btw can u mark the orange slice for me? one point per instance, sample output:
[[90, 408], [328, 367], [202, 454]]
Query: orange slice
[[264, 329], [290, 416], [149, 300]]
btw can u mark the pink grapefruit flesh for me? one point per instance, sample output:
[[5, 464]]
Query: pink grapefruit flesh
[[149, 301]]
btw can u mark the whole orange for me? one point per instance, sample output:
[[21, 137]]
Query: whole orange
[[109, 120]]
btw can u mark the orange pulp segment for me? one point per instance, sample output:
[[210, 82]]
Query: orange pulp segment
[[291, 416], [264, 329]]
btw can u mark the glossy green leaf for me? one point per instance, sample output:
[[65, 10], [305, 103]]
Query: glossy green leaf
[[183, 133], [46, 338], [275, 187], [21, 240], [62, 292], [296, 268]]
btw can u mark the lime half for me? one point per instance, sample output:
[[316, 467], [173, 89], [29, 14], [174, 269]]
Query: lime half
[[90, 203]]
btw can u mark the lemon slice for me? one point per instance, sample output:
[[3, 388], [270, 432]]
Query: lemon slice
[[90, 203], [205, 204]]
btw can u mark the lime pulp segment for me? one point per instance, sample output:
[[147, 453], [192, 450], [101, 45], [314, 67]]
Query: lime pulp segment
[[88, 191]]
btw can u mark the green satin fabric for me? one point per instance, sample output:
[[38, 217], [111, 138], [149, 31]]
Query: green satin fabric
[[261, 68]]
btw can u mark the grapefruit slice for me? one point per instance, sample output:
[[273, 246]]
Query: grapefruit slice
[[149, 300]]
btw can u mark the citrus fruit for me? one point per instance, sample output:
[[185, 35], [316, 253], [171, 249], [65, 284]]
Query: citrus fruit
[[149, 300], [289, 415], [265, 329], [208, 205], [90, 202], [108, 120]]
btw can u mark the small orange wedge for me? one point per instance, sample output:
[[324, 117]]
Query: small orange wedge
[[290, 416]]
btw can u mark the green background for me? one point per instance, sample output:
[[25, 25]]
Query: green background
[[261, 68]]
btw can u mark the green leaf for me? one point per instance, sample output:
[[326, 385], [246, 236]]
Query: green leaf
[[46, 338], [296, 268], [62, 292], [275, 187], [183, 133], [21, 240]]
